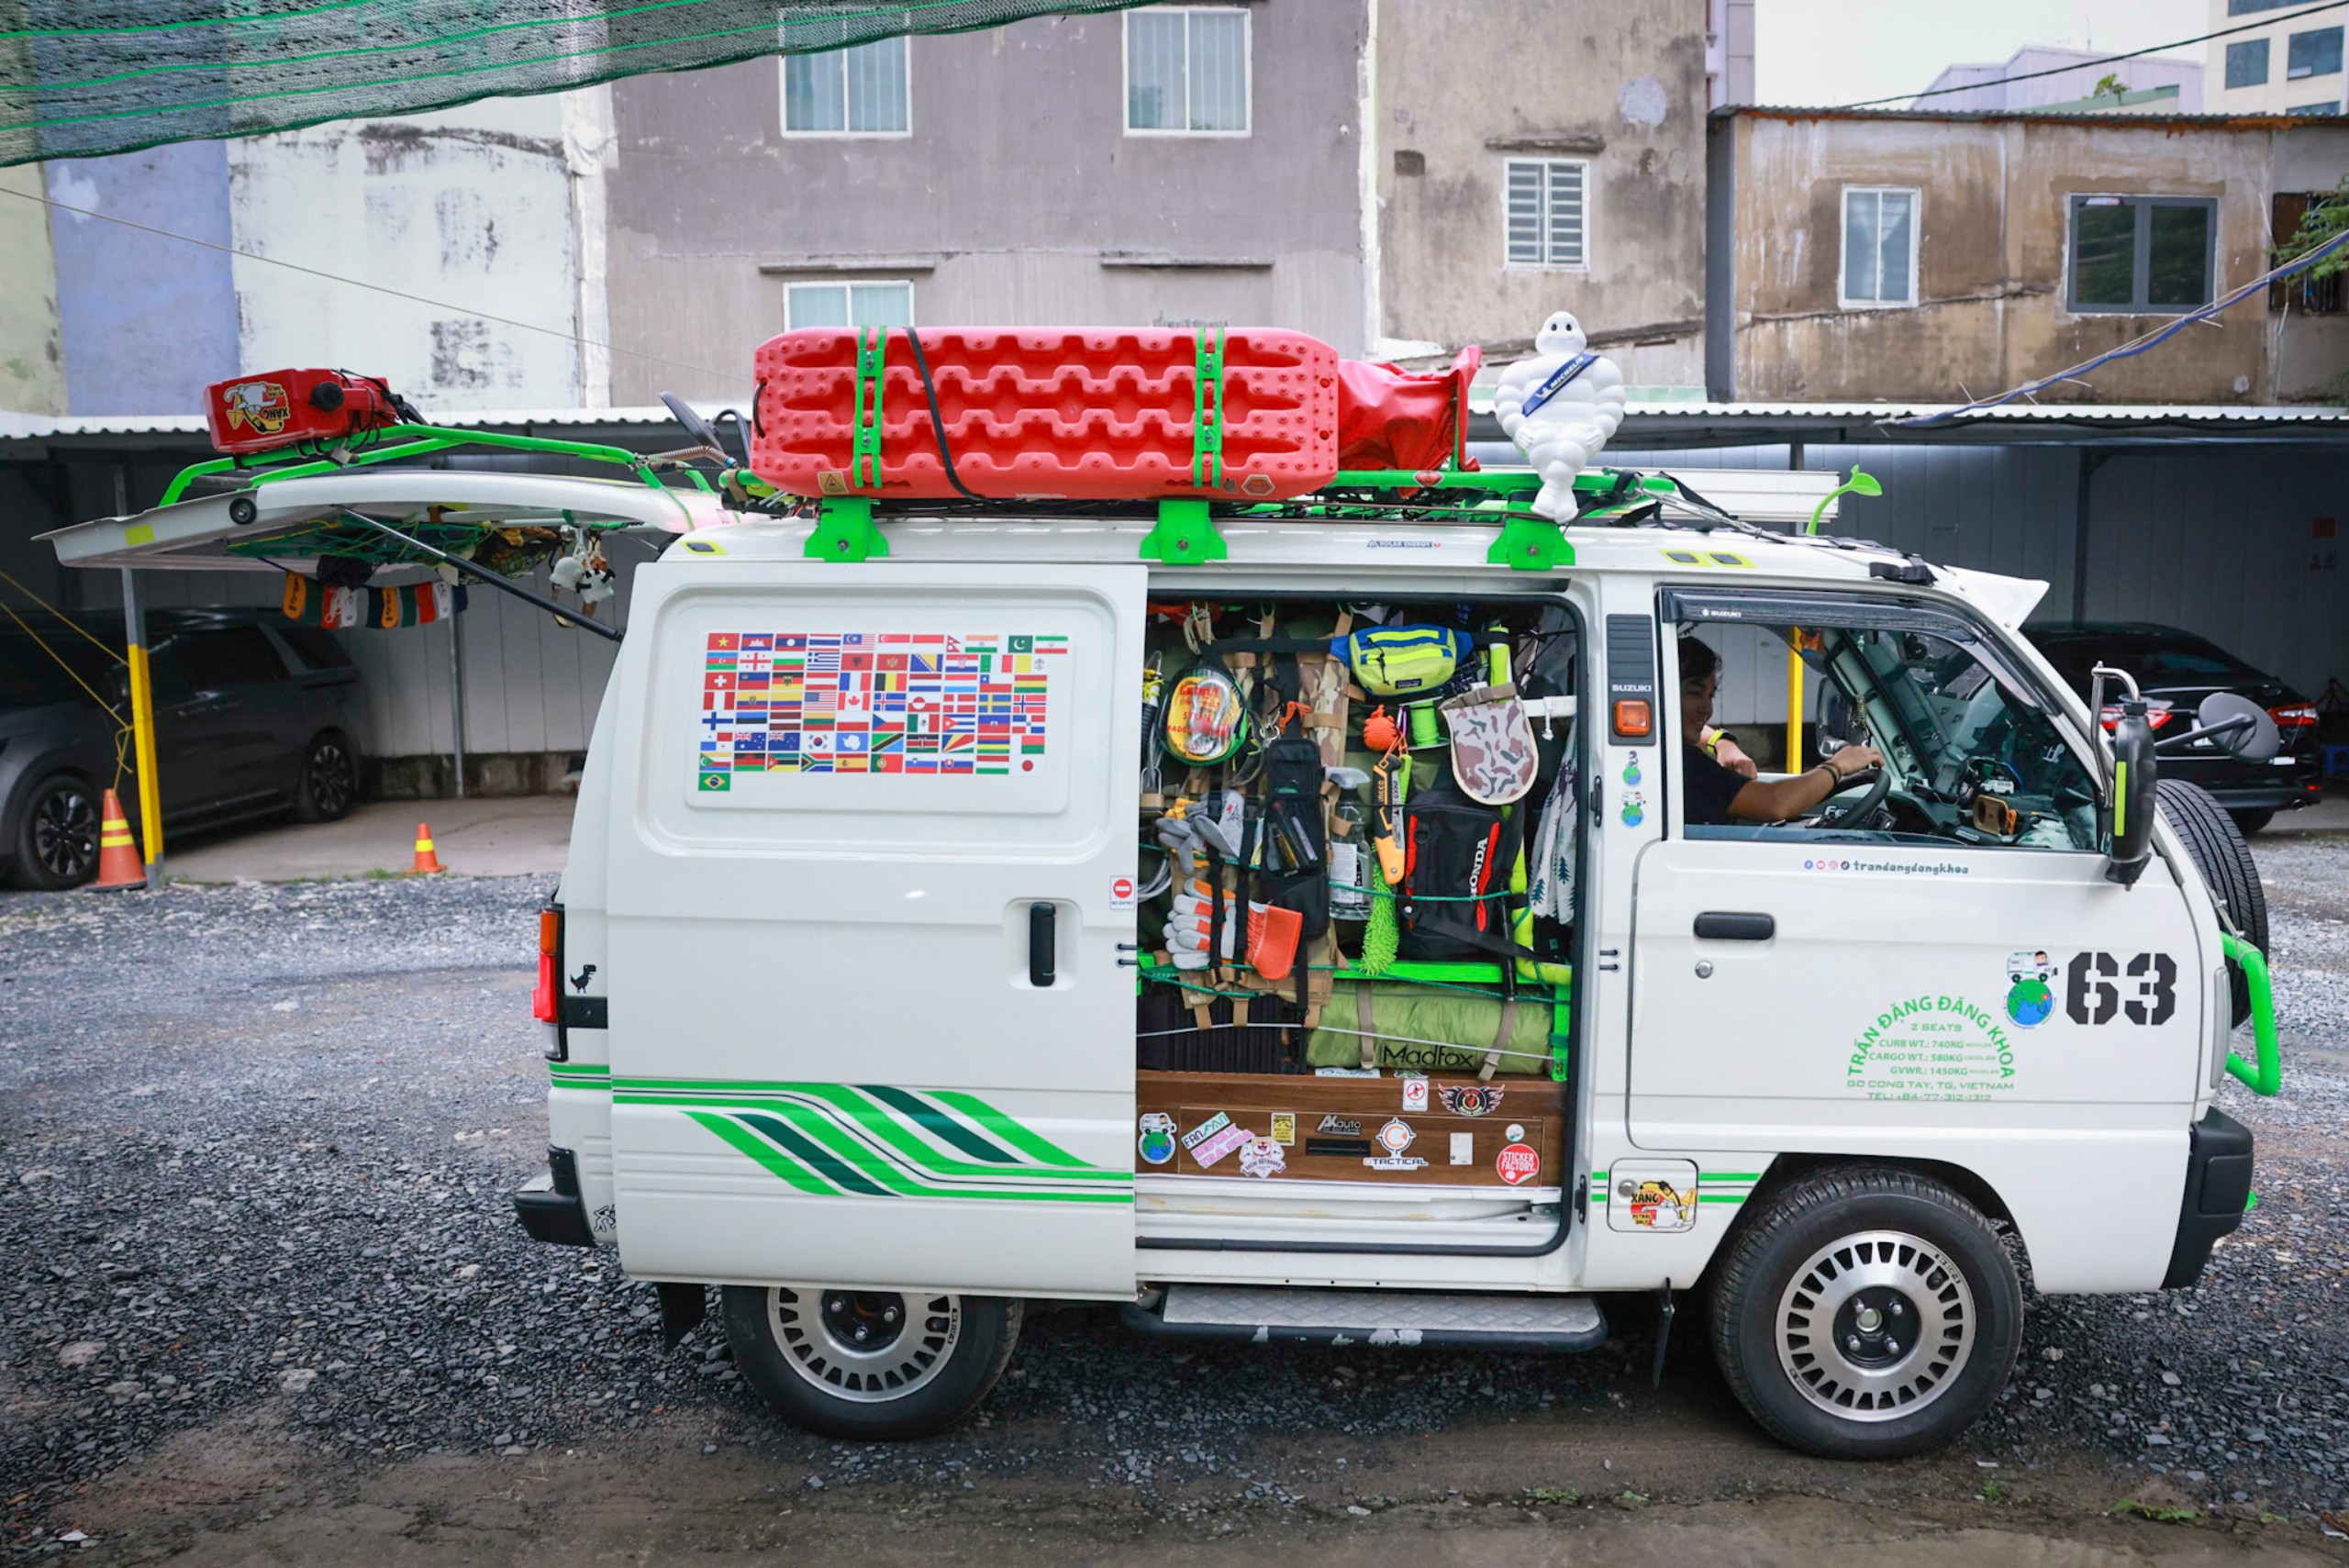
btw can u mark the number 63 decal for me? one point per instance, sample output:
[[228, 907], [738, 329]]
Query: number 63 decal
[[2092, 995]]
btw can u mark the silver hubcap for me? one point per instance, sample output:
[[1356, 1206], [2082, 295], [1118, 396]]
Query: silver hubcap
[[865, 1346], [1875, 1326]]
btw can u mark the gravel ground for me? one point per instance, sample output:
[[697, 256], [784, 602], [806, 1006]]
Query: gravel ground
[[255, 1144]]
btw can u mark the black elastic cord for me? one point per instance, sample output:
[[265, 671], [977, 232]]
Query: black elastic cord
[[937, 424]]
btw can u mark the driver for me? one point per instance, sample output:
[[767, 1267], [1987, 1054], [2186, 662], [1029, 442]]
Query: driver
[[1718, 794]]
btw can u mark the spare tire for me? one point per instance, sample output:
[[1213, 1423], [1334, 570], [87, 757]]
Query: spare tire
[[2217, 848]]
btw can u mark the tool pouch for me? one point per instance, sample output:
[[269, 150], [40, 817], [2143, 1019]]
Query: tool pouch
[[1295, 854]]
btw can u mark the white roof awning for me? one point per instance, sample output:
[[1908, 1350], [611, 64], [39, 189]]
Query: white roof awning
[[194, 534]]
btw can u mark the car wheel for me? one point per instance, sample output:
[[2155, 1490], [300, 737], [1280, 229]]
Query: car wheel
[[2216, 849], [57, 837], [2250, 822], [1866, 1312], [863, 1364], [329, 786]]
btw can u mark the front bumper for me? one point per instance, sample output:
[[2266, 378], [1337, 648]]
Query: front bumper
[[2218, 1187], [550, 1208]]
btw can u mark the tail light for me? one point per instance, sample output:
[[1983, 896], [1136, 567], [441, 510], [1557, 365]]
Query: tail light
[[2157, 713], [542, 997], [2298, 718]]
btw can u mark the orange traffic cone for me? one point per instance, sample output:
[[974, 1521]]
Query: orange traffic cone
[[427, 862], [119, 863]]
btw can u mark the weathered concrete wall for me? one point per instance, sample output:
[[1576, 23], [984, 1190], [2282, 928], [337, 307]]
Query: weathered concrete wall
[[32, 356], [1466, 85], [1993, 249], [1016, 185], [470, 205], [144, 321]]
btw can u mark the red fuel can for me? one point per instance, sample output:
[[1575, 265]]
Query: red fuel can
[[288, 409], [1112, 413]]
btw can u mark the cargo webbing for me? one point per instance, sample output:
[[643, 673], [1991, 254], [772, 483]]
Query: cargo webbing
[[78, 78]]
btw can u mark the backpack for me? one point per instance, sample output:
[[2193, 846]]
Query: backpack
[[1457, 857]]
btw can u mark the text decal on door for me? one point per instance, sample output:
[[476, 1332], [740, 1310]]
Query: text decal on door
[[874, 702]]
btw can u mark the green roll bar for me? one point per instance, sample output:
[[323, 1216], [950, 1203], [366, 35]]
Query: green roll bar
[[2267, 1077], [421, 440]]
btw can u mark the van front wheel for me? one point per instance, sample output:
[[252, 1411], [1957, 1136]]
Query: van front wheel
[[1866, 1312], [868, 1364]]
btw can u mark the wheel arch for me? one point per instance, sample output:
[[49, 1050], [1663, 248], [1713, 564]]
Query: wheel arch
[[1786, 1169]]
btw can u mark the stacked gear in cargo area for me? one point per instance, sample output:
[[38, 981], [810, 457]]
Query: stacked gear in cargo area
[[1336, 884]]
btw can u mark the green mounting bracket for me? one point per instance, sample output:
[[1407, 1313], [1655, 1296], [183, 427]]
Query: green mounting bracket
[[845, 531], [1206, 410], [1531, 544], [864, 460], [1184, 536]]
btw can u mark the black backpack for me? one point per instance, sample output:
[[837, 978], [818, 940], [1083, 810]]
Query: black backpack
[[1457, 855]]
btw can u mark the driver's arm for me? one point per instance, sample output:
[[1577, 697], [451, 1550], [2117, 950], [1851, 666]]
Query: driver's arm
[[1780, 800]]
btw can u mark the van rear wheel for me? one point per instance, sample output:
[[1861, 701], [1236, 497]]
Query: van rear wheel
[[1866, 1312], [867, 1364]]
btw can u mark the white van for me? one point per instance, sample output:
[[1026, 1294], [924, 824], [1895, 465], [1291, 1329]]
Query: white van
[[872, 1003], [1333, 920]]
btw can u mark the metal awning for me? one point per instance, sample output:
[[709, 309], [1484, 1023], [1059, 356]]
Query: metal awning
[[194, 535]]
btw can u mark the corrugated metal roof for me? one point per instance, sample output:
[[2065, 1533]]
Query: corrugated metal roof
[[2046, 114]]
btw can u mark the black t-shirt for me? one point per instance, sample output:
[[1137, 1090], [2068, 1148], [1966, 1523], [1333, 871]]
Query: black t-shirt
[[1710, 787]]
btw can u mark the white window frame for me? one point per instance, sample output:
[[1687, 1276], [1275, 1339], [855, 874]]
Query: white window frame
[[1509, 263], [1843, 251], [850, 283], [1247, 71], [783, 97]]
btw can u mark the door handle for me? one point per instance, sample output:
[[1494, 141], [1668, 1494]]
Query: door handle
[[1730, 926], [1041, 944]]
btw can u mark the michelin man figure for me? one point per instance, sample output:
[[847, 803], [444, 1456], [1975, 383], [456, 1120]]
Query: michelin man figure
[[1560, 407]]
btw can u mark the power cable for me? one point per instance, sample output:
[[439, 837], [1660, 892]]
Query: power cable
[[380, 288], [2089, 64], [2135, 346]]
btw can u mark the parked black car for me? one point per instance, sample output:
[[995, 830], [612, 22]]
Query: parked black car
[[2177, 672], [252, 715]]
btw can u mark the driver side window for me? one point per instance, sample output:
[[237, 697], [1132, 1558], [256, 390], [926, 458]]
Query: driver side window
[[1908, 732]]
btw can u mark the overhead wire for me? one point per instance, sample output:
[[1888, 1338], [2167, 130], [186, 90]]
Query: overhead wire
[[385, 289], [2135, 345], [2091, 64]]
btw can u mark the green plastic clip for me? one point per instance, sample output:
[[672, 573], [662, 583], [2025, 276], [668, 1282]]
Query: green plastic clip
[[1184, 536], [845, 531], [864, 462], [1207, 410], [1531, 544]]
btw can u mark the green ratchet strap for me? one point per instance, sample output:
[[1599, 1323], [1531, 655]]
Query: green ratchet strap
[[865, 463], [1207, 410]]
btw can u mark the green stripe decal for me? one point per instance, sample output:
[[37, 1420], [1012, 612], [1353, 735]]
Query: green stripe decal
[[832, 1170], [938, 1122], [764, 1152], [867, 1140], [1011, 1132]]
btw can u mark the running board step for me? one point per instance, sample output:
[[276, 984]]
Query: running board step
[[1267, 1315]]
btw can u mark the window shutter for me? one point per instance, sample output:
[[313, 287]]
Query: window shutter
[[1566, 215], [1525, 215]]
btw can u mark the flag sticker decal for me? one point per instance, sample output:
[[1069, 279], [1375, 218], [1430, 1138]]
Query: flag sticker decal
[[865, 702]]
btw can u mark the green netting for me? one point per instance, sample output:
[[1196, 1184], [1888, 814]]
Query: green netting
[[78, 78]]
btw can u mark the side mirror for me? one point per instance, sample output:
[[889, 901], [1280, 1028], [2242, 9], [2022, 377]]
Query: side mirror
[[2130, 798], [704, 433]]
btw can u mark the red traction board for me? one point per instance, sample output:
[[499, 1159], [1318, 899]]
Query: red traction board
[[1039, 412]]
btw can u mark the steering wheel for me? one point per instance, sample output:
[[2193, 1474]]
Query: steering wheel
[[1856, 804]]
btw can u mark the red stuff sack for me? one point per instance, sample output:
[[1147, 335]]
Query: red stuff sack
[[1048, 413], [289, 408], [1393, 418]]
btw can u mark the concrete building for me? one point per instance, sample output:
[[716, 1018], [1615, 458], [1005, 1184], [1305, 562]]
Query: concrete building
[[2288, 63], [2151, 84], [445, 252], [1399, 177], [1933, 256]]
